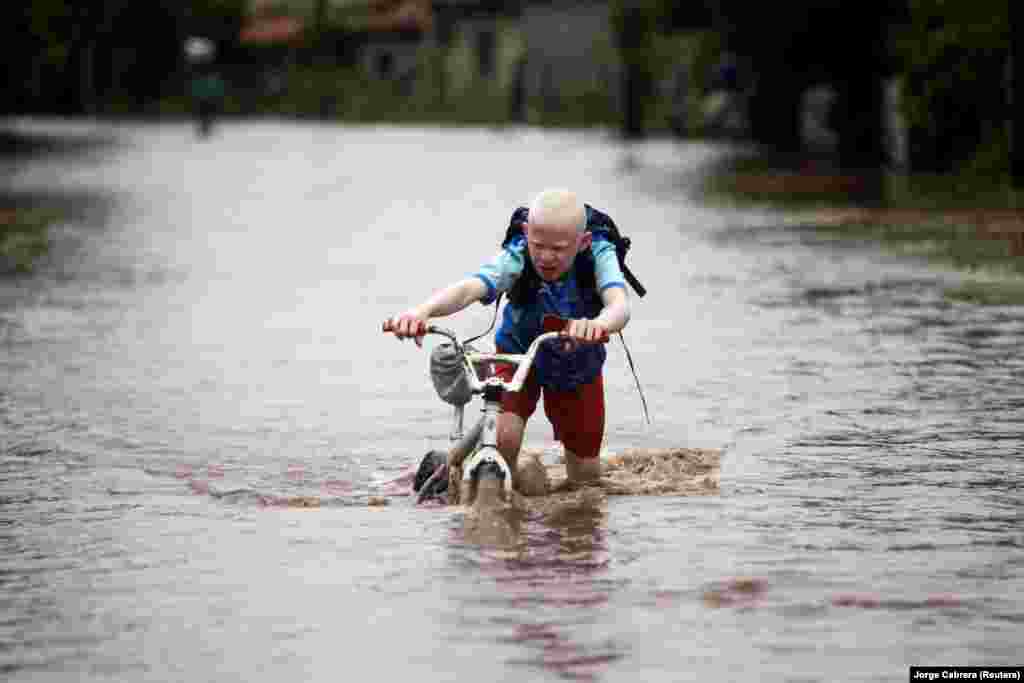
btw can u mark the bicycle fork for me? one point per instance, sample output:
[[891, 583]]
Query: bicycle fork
[[487, 453]]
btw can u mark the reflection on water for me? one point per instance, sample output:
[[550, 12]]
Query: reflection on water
[[203, 357], [548, 582]]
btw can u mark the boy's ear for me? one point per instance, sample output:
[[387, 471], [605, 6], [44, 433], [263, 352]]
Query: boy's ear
[[585, 241]]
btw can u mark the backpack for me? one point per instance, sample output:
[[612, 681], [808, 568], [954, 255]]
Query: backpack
[[598, 223]]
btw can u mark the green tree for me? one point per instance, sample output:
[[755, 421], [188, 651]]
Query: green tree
[[954, 55], [634, 24]]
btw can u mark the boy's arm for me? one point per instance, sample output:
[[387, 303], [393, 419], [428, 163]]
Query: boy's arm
[[451, 299], [615, 314], [612, 318]]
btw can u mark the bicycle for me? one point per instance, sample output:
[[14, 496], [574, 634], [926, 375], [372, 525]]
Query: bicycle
[[486, 477]]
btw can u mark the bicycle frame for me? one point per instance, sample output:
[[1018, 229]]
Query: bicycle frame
[[482, 440]]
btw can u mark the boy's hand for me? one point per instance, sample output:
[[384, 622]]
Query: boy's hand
[[408, 324], [588, 331]]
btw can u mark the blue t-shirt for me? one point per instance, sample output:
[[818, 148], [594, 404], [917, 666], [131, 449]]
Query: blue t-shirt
[[520, 325]]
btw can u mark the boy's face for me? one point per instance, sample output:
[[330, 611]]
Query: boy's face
[[553, 247]]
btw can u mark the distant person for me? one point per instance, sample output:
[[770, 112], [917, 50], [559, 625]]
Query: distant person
[[817, 132], [725, 105], [560, 269], [207, 91]]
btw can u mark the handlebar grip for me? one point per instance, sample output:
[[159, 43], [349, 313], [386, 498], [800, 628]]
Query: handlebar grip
[[561, 334], [603, 339], [387, 326]]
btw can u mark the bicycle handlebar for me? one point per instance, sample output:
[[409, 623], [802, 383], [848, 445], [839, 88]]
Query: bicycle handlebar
[[523, 361]]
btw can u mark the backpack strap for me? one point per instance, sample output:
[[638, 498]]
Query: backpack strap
[[598, 221], [525, 288], [516, 225]]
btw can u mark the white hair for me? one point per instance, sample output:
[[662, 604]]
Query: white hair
[[558, 207]]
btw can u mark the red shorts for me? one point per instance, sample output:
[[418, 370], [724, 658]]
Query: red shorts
[[576, 415]]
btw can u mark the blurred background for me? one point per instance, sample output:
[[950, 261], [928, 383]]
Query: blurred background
[[923, 85]]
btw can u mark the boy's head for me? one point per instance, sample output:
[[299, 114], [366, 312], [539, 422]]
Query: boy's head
[[555, 232]]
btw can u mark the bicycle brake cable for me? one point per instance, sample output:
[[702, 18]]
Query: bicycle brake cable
[[497, 303], [636, 379]]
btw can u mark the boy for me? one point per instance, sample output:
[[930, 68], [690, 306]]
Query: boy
[[541, 271]]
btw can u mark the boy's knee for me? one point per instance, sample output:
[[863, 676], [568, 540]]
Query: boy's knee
[[510, 429], [582, 469], [531, 477]]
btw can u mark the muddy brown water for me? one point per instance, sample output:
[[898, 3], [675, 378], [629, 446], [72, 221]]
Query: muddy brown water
[[211, 342]]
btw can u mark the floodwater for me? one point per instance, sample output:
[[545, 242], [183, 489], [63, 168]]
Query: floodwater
[[208, 340]]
